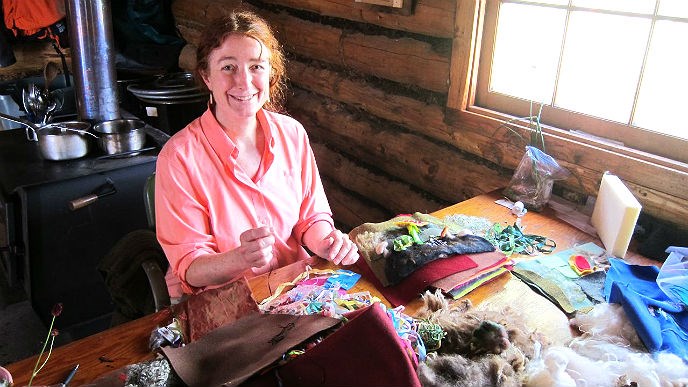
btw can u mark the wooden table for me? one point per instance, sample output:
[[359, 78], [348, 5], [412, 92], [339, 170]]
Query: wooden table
[[128, 343]]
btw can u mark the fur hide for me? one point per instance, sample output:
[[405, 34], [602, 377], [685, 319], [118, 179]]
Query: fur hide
[[496, 348], [481, 348]]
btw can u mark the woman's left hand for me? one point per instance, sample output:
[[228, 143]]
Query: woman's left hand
[[338, 248]]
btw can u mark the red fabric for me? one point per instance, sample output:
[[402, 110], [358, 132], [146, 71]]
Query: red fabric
[[413, 285], [366, 351], [485, 262], [30, 16]]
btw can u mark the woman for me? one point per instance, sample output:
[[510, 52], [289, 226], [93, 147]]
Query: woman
[[238, 191]]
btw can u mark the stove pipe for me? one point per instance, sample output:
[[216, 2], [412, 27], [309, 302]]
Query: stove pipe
[[93, 59]]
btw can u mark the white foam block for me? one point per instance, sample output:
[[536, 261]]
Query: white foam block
[[615, 215]]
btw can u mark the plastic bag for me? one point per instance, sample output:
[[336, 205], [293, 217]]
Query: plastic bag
[[533, 179], [673, 276]]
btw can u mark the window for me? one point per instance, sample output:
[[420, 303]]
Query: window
[[616, 69]]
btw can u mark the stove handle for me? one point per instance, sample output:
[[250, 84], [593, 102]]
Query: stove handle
[[104, 190]]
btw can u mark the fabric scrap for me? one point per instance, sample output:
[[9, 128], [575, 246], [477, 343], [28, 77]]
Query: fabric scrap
[[561, 290], [413, 285], [486, 262], [203, 312], [394, 250]]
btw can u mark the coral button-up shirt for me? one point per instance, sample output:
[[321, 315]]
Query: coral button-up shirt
[[204, 200]]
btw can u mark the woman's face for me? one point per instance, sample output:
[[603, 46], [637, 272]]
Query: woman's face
[[238, 75]]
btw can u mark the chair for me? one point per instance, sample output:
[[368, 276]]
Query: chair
[[134, 269], [155, 273]]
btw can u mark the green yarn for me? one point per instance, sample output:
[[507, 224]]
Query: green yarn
[[431, 333]]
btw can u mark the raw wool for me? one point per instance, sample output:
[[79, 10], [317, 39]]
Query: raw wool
[[368, 240], [607, 322], [456, 370], [477, 225], [599, 357], [481, 348]]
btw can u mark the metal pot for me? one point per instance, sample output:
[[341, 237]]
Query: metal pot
[[57, 141], [121, 135], [64, 140]]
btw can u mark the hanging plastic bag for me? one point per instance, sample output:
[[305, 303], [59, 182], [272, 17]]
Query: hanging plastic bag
[[533, 179], [673, 275]]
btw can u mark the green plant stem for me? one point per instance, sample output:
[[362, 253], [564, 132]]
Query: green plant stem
[[36, 368]]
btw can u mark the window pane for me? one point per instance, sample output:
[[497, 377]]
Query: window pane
[[663, 98], [636, 6], [677, 8], [527, 51], [601, 64]]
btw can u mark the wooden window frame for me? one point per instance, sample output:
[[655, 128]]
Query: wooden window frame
[[470, 30]]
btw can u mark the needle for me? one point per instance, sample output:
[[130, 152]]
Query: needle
[[70, 376]]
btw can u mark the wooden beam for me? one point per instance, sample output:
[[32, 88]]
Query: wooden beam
[[405, 156], [430, 17], [393, 195], [406, 61], [464, 52], [348, 210]]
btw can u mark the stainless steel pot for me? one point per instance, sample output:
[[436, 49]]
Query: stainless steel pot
[[64, 140], [121, 135], [57, 141]]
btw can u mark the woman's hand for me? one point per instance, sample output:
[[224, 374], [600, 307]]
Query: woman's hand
[[338, 248], [255, 251], [256, 247]]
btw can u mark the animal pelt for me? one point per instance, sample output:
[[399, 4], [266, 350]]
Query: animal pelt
[[456, 370], [472, 333], [481, 348]]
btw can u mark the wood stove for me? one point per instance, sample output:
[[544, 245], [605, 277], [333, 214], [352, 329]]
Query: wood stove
[[53, 249]]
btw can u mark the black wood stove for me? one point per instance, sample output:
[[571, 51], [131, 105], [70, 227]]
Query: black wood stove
[[52, 246]]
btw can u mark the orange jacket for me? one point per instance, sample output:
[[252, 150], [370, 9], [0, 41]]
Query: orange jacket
[[27, 18]]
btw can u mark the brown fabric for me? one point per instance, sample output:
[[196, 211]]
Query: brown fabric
[[203, 312], [232, 353]]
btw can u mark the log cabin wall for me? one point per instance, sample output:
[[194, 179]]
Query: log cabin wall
[[371, 87]]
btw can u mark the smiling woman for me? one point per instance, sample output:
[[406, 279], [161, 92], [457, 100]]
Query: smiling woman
[[238, 191]]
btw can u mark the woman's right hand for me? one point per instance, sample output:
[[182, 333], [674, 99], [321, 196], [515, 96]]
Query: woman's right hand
[[256, 247], [255, 251]]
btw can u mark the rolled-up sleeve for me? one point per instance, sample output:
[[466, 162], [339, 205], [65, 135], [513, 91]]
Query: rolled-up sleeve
[[182, 223], [314, 207]]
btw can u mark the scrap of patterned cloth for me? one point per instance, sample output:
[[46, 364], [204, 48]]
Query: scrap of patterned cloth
[[661, 323], [324, 292]]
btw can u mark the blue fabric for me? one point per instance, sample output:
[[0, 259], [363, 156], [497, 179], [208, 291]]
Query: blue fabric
[[661, 324]]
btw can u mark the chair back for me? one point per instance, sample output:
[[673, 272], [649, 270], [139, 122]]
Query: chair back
[[149, 200]]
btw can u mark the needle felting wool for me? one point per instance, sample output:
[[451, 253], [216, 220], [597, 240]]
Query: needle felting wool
[[608, 353]]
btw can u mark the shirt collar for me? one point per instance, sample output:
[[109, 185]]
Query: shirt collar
[[227, 151]]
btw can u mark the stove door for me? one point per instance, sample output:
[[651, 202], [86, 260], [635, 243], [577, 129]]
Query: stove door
[[63, 245]]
